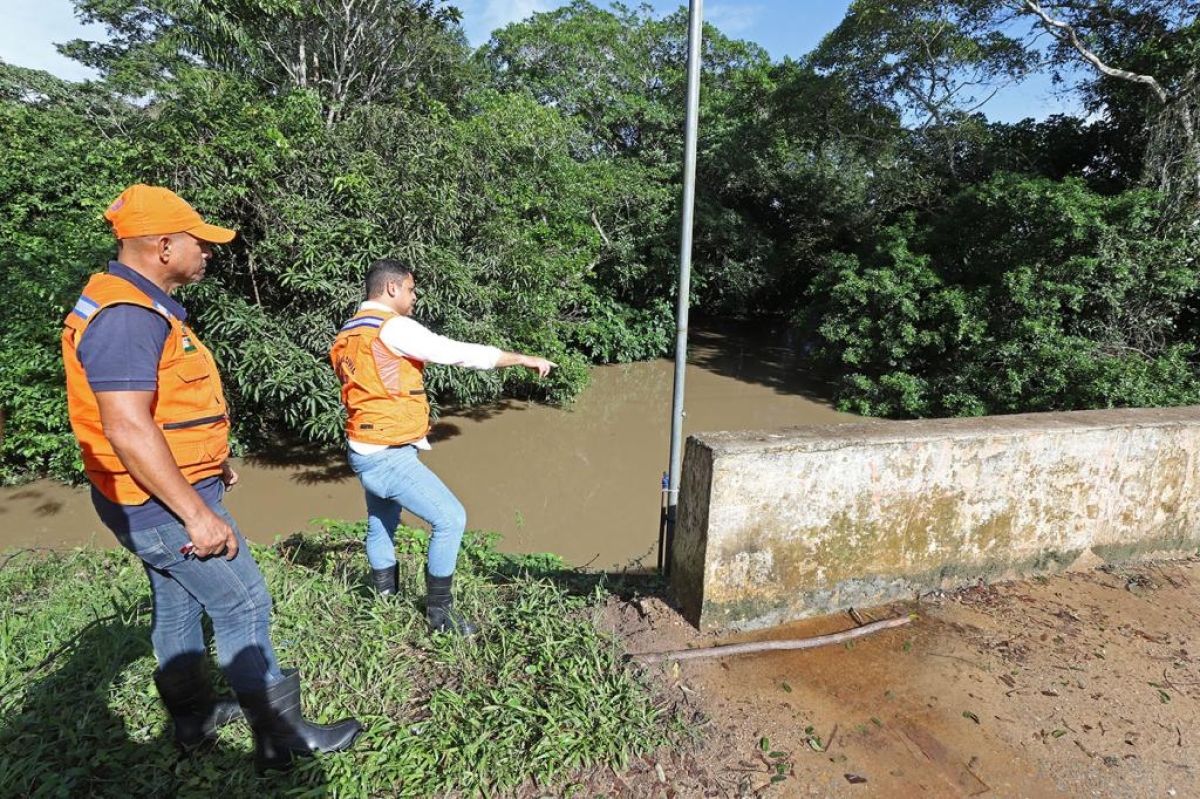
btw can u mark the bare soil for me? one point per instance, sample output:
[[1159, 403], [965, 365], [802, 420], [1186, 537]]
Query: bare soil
[[1081, 684]]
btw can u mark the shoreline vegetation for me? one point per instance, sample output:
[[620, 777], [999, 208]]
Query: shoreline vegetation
[[540, 699], [933, 261]]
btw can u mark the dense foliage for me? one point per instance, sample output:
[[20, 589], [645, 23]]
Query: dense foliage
[[937, 263], [1029, 295]]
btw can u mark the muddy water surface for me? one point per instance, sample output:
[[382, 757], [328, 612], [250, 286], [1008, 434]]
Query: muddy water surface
[[584, 482]]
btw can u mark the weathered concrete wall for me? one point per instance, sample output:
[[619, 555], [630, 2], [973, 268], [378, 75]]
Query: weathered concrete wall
[[778, 526]]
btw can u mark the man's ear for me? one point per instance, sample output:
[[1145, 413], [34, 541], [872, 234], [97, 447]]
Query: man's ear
[[164, 249]]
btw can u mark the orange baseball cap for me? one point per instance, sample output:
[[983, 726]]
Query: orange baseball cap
[[143, 210]]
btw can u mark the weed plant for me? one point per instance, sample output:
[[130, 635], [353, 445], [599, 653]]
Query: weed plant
[[537, 699]]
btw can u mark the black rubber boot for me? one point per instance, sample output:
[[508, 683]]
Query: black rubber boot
[[439, 608], [385, 580], [280, 731], [189, 699]]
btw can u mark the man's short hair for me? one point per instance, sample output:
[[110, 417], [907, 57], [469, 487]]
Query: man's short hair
[[382, 272]]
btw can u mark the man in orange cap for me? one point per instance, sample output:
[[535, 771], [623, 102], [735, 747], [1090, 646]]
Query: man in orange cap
[[147, 407]]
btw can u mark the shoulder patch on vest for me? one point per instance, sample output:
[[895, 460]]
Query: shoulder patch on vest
[[85, 307], [162, 309], [362, 321]]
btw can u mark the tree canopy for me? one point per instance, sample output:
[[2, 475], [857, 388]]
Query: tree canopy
[[935, 262]]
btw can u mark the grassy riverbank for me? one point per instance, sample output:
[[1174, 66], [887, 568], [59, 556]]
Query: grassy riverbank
[[541, 696]]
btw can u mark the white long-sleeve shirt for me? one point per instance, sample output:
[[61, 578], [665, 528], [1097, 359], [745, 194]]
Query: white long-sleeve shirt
[[408, 338]]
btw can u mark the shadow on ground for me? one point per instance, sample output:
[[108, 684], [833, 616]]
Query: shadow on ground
[[66, 739]]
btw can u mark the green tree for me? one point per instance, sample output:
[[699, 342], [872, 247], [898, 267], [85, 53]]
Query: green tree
[[621, 75], [1028, 295], [58, 172], [493, 209], [936, 63], [1143, 57], [349, 52]]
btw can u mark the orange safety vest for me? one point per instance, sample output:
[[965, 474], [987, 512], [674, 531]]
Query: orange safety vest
[[384, 393], [189, 406]]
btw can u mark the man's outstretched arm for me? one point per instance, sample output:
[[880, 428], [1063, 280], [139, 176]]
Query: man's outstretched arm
[[540, 365], [408, 337]]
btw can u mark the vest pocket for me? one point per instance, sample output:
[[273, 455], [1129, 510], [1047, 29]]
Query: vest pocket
[[187, 454], [192, 368], [198, 390], [110, 462]]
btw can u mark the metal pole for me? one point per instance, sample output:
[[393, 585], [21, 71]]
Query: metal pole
[[691, 123]]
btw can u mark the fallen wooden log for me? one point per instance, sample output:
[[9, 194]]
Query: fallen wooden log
[[771, 646]]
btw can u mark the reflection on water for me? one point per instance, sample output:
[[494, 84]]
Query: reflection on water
[[584, 482]]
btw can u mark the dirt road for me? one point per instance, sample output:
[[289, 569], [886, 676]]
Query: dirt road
[[1083, 684]]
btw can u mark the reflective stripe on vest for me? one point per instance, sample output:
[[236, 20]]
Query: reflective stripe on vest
[[189, 404], [384, 393]]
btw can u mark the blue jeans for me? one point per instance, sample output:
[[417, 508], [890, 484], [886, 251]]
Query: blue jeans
[[395, 479], [232, 592]]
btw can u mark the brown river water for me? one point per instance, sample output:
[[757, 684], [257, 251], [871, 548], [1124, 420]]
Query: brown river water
[[583, 482]]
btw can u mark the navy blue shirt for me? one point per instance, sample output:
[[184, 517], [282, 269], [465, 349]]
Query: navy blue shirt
[[120, 351]]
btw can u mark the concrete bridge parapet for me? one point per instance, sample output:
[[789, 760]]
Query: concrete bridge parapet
[[776, 526]]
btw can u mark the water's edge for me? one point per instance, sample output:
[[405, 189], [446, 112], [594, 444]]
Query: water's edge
[[583, 482]]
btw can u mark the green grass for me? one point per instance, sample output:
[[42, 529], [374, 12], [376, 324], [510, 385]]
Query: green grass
[[538, 698]]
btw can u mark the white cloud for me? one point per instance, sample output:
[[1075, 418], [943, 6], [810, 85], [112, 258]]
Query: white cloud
[[481, 17], [733, 19]]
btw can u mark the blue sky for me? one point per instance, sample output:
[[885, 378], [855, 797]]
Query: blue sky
[[783, 27]]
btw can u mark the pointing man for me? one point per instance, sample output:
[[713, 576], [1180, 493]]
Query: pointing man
[[380, 356]]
